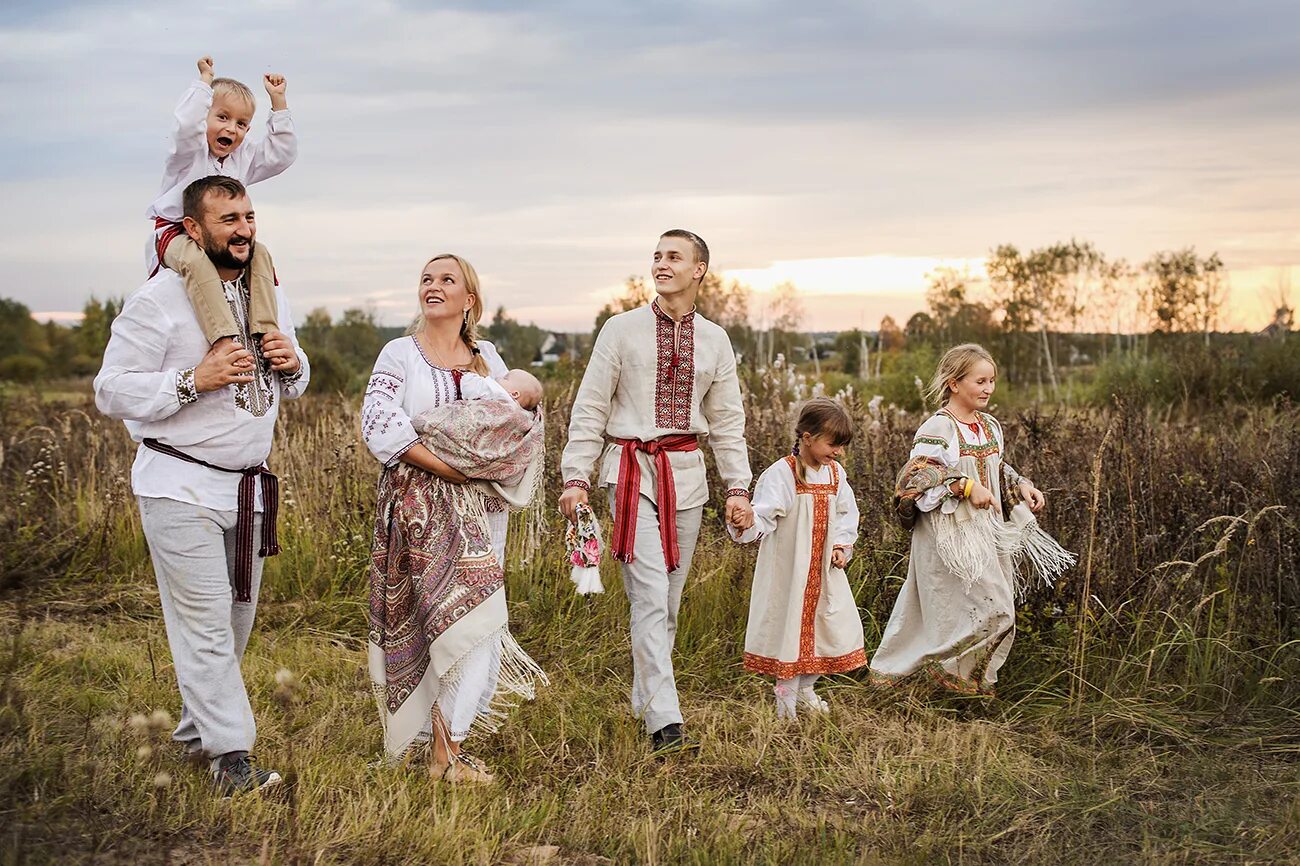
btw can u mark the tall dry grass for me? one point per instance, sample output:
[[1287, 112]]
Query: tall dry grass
[[1149, 710]]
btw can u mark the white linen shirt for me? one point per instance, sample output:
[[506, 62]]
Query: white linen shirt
[[147, 380], [405, 384], [189, 158], [626, 393]]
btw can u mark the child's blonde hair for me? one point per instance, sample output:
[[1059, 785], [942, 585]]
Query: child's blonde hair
[[231, 87], [955, 364], [821, 416]]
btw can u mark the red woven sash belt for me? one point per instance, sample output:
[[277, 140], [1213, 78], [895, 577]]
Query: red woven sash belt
[[242, 583], [629, 489]]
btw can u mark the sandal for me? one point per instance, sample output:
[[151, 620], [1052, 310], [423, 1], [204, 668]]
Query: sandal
[[463, 768]]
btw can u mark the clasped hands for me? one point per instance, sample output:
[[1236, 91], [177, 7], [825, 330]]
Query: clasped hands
[[229, 363], [739, 513]]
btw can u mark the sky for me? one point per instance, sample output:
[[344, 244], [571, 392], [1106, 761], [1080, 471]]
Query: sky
[[847, 147]]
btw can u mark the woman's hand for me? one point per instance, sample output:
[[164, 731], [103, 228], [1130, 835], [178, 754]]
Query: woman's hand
[[840, 557], [421, 457], [981, 496], [446, 473], [1033, 497]]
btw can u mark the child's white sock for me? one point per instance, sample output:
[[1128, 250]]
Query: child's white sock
[[785, 697], [808, 697]]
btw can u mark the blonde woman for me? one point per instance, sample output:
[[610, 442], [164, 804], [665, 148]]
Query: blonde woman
[[442, 660], [955, 615]]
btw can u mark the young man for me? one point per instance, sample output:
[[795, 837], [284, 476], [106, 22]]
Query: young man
[[204, 417], [659, 377]]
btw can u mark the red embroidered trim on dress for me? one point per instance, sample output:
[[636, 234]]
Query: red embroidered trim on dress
[[809, 662], [785, 670], [738, 491], [577, 482], [674, 371]]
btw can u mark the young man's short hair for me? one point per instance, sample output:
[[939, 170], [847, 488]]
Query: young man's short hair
[[701, 248], [195, 193], [231, 87]]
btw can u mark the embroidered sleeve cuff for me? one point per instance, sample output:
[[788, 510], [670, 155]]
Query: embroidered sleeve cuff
[[186, 391], [288, 380], [737, 491], [398, 456], [577, 482]]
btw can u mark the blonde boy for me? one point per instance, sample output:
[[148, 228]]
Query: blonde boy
[[212, 120]]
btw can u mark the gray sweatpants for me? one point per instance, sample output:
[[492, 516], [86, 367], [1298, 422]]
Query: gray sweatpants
[[193, 552], [654, 595]]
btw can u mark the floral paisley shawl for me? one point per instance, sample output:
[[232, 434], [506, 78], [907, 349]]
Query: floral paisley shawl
[[432, 560]]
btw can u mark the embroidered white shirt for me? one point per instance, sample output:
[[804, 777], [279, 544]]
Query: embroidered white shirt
[[404, 384], [147, 380], [632, 389], [189, 158]]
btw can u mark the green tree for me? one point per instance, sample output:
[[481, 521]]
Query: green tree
[[518, 344], [1184, 293], [20, 334], [635, 294], [727, 304]]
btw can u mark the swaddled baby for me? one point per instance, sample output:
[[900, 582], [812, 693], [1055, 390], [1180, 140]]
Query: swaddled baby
[[488, 441]]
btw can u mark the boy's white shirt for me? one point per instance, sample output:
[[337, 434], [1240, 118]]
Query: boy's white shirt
[[189, 158], [147, 380], [617, 399]]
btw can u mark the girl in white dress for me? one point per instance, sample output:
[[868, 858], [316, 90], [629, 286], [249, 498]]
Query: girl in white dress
[[803, 620], [955, 616]]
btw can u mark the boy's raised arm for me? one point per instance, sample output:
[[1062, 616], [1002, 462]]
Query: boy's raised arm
[[279, 147], [190, 131]]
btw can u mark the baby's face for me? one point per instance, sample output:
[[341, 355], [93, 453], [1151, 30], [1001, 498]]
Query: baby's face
[[228, 121]]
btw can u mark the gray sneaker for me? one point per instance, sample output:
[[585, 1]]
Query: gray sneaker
[[236, 775]]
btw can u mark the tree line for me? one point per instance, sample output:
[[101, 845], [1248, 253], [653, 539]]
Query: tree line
[[1046, 313]]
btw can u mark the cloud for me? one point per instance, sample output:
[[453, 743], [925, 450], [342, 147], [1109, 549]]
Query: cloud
[[551, 143]]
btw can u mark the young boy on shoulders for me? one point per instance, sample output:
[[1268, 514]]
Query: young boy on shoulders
[[212, 121]]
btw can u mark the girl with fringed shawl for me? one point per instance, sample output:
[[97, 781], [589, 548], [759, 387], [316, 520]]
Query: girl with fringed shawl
[[443, 663], [972, 521]]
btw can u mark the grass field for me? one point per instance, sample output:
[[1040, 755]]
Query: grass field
[[1149, 712]]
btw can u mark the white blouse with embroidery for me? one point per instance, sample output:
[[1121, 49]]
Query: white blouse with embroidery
[[404, 384], [937, 439]]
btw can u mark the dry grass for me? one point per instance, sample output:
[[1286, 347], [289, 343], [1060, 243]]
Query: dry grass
[[1180, 744]]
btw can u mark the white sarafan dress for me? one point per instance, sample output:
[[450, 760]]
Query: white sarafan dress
[[803, 618], [955, 616]]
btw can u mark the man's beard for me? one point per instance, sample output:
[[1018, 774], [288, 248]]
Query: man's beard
[[222, 257]]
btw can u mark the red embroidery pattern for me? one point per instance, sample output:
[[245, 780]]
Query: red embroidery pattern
[[809, 662], [785, 670], [981, 453], [674, 370]]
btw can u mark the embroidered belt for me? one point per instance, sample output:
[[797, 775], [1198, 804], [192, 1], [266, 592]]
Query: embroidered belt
[[242, 582], [167, 231], [629, 489]]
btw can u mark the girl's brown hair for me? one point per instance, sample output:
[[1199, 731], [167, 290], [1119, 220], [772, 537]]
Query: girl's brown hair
[[955, 364], [469, 327], [821, 416]]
